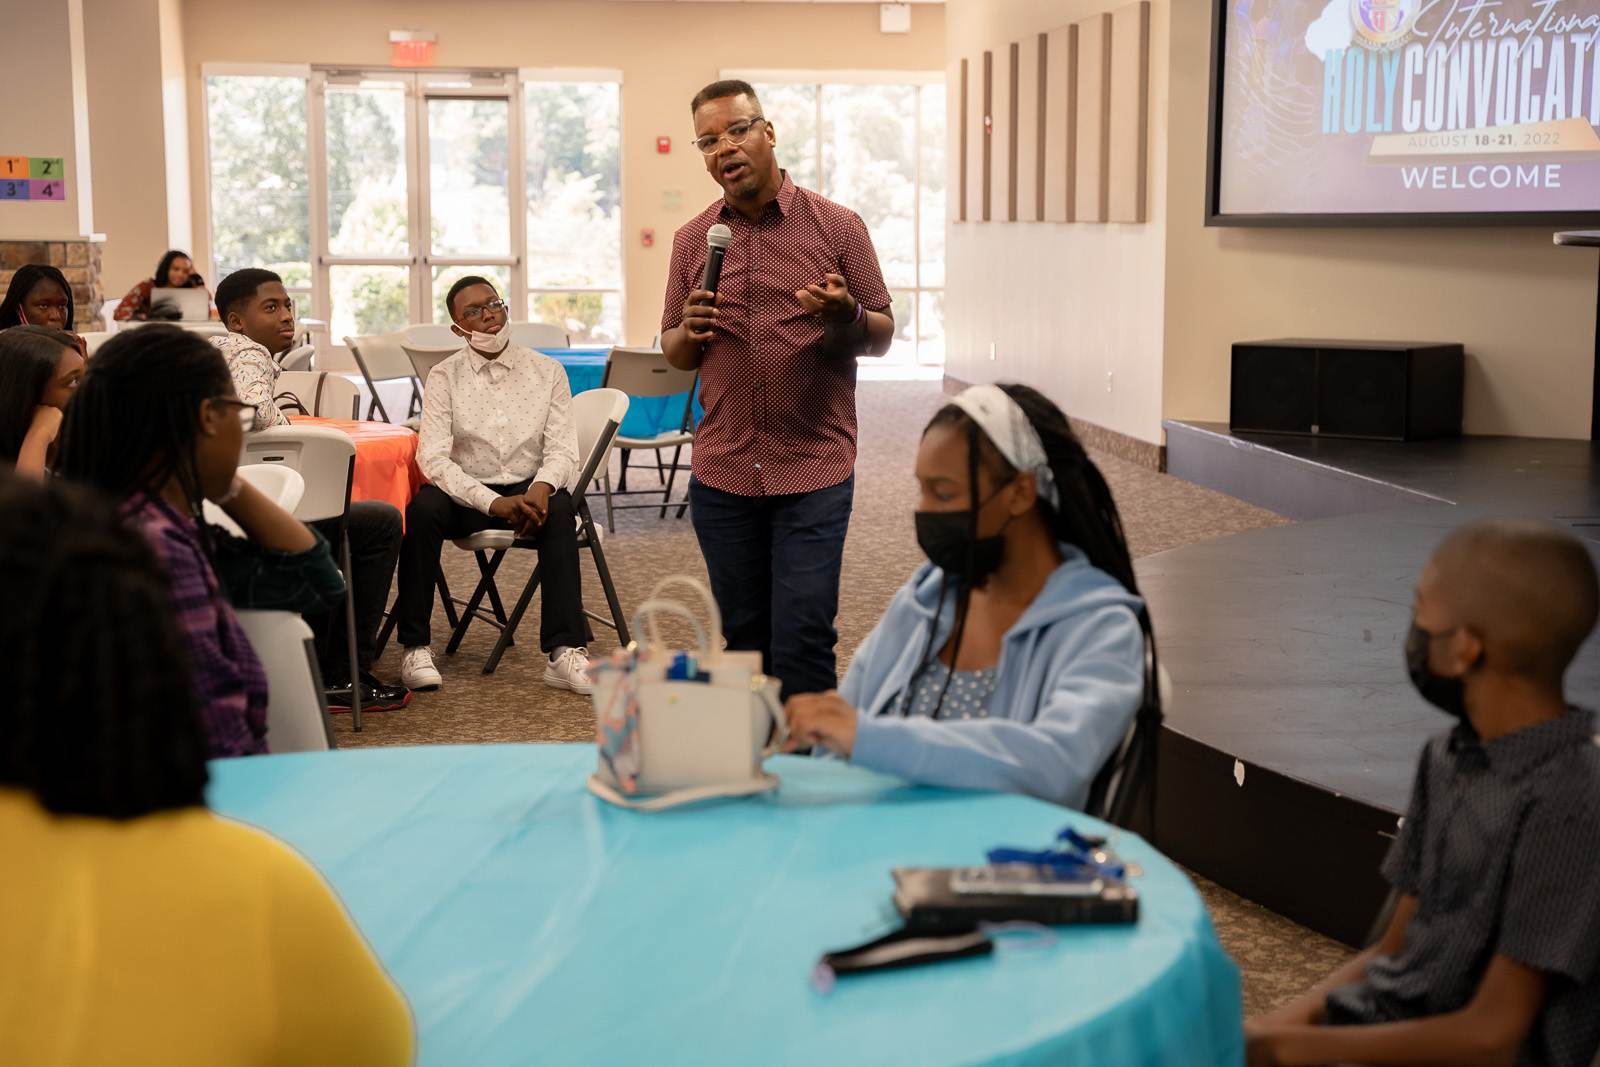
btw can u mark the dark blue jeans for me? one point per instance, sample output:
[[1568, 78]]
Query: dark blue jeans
[[763, 551]]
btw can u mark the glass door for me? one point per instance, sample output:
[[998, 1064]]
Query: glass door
[[416, 172], [368, 155], [467, 166]]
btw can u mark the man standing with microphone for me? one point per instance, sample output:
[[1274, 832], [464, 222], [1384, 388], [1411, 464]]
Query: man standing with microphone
[[774, 321]]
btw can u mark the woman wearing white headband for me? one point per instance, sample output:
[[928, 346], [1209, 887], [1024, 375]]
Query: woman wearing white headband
[[1016, 658]]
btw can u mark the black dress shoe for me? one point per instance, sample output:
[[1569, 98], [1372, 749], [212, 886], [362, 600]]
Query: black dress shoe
[[375, 696]]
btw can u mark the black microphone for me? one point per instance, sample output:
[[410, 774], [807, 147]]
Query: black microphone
[[717, 240]]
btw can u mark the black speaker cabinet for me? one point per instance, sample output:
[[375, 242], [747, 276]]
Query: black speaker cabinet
[[1383, 390]]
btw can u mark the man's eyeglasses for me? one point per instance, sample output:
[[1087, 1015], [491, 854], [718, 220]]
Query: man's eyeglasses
[[246, 412], [736, 135], [474, 312]]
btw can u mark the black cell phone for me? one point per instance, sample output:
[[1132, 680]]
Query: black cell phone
[[906, 948]]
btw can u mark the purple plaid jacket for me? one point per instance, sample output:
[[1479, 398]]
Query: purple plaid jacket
[[229, 682]]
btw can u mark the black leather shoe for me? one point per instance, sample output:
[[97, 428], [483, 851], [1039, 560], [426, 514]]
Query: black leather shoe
[[375, 696]]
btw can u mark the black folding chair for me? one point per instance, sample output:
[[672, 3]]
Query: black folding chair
[[1127, 782]]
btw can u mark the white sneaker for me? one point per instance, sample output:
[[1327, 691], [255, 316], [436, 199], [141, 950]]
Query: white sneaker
[[417, 670], [570, 670]]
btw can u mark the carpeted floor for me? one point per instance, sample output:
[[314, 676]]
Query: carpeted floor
[[1276, 957]]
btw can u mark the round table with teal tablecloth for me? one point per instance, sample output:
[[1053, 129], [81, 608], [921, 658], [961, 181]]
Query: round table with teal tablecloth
[[648, 416], [528, 922]]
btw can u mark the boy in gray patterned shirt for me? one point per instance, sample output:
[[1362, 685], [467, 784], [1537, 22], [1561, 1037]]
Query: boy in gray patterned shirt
[[1493, 954]]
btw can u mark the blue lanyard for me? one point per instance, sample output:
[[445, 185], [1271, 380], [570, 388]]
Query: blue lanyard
[[1071, 859]]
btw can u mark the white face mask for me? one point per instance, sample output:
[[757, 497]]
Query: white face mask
[[489, 343]]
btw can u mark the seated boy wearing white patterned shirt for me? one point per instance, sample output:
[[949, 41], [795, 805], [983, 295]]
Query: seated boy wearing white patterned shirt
[[260, 318], [499, 449]]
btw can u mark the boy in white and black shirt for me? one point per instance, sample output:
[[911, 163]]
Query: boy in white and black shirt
[[260, 318]]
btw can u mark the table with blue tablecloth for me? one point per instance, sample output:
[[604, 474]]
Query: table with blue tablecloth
[[647, 416], [528, 922]]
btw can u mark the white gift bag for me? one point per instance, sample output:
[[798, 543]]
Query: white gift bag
[[676, 726]]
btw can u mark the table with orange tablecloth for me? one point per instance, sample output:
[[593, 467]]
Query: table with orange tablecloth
[[386, 459]]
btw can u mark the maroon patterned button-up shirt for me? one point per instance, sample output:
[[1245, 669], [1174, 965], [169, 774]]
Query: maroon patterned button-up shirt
[[780, 412]]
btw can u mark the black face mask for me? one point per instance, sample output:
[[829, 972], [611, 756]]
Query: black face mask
[[1449, 695], [946, 538]]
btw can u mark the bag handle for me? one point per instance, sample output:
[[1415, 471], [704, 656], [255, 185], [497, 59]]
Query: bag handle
[[699, 587], [780, 721], [291, 402], [644, 621]]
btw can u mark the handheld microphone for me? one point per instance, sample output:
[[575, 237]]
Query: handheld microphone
[[717, 241]]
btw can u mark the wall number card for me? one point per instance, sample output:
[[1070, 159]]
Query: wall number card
[[32, 178]]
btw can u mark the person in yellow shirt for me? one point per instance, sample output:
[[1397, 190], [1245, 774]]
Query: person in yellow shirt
[[135, 926]]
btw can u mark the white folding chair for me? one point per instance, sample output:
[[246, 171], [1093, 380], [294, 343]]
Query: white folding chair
[[596, 414], [92, 341], [332, 396], [538, 335], [280, 483], [297, 707], [644, 373], [430, 335], [299, 358], [382, 358], [326, 460], [427, 344]]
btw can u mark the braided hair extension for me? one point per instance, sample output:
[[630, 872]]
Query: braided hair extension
[[134, 422], [99, 716], [1087, 518]]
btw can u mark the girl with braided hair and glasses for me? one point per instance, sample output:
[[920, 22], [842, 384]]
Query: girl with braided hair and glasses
[[155, 423], [1018, 657]]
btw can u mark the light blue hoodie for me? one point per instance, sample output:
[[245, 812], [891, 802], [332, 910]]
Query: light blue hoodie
[[1071, 678]]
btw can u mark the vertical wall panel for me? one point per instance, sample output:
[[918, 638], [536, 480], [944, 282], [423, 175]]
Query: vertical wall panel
[[976, 141], [959, 106], [1027, 157], [988, 128], [1094, 127], [1060, 123], [1129, 110]]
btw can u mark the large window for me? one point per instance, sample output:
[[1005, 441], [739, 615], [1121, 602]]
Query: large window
[[876, 145], [574, 194], [260, 190], [372, 191]]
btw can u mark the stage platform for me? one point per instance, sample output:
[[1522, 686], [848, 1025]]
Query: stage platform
[[1294, 732]]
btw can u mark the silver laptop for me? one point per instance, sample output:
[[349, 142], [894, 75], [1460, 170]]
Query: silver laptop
[[192, 304]]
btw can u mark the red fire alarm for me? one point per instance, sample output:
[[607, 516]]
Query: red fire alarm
[[647, 237], [663, 145]]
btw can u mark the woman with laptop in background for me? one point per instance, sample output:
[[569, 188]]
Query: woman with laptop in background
[[146, 301]]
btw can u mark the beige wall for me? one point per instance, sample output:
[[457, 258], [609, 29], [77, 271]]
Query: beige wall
[[41, 52], [666, 52], [1072, 309], [1524, 309], [123, 44]]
